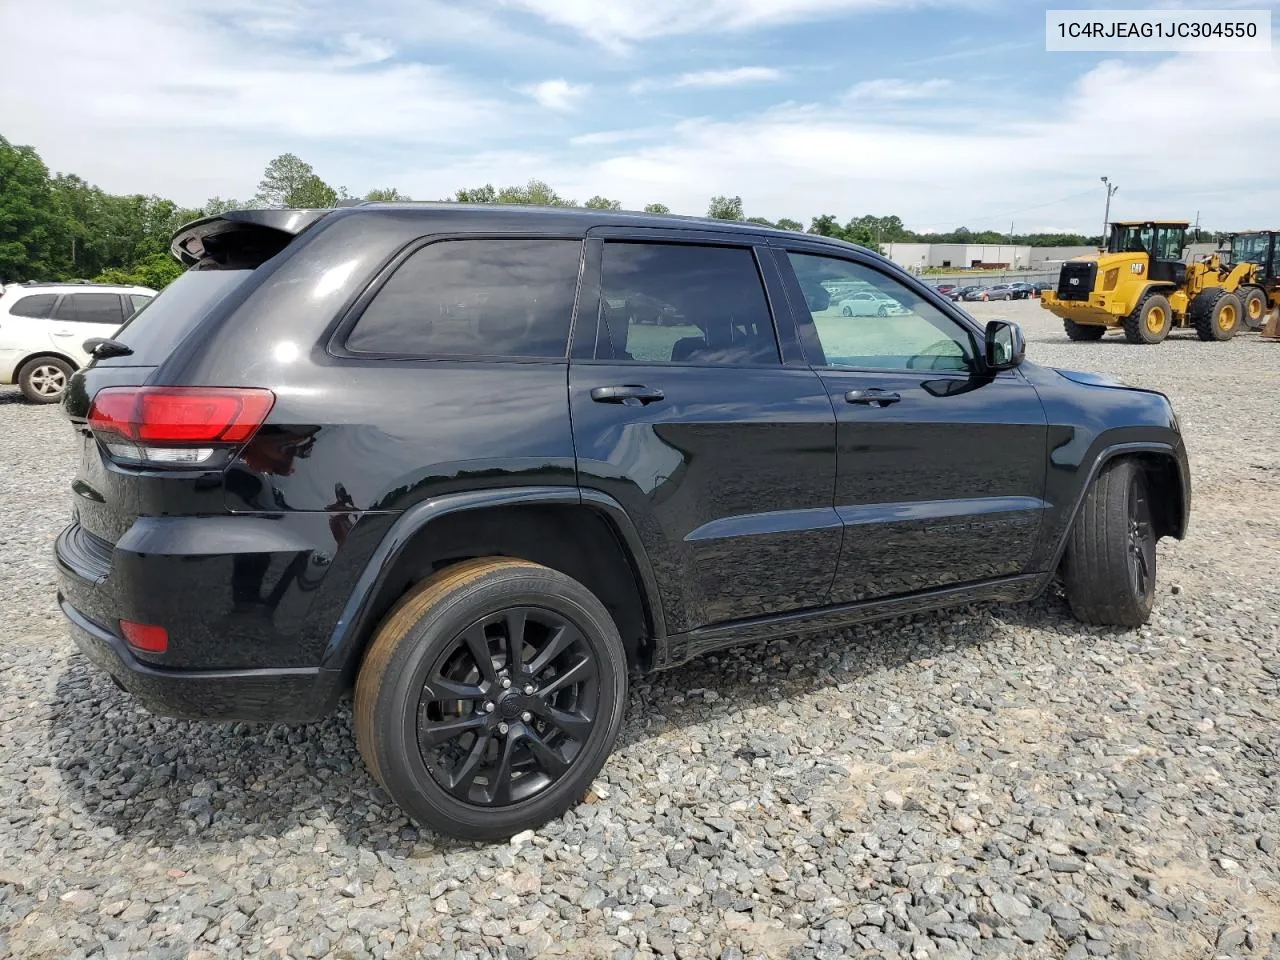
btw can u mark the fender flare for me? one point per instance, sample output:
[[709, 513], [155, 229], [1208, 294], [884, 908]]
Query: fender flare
[[1108, 454], [357, 613]]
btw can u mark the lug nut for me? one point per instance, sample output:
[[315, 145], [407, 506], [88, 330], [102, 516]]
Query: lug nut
[[488, 707], [506, 682], [503, 728], [528, 689], [526, 716]]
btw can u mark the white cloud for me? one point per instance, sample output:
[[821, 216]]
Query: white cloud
[[800, 160], [730, 77], [890, 88], [160, 97], [619, 22], [557, 94]]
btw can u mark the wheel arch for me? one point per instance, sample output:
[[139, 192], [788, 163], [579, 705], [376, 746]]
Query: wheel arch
[[584, 534], [1171, 489]]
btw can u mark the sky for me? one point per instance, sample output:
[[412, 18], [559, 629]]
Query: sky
[[944, 112]]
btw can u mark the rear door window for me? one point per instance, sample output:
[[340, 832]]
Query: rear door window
[[475, 298], [136, 302], [103, 308], [683, 303], [36, 305]]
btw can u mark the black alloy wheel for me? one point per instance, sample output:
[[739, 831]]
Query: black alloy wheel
[[508, 706]]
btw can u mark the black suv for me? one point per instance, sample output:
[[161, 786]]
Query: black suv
[[416, 451]]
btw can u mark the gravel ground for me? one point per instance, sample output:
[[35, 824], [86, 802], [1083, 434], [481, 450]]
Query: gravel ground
[[998, 780]]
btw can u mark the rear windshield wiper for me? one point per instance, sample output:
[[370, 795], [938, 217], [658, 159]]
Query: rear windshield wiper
[[102, 348]]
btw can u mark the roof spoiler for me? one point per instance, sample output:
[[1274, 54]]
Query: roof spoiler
[[241, 236]]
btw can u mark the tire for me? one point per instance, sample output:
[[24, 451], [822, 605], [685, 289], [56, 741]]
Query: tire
[[1216, 314], [1083, 331], [563, 738], [882, 311], [1150, 321], [1254, 308], [1109, 568], [846, 311], [44, 379]]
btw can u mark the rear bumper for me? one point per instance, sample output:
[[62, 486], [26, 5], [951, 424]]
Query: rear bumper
[[1080, 311], [298, 694], [270, 656]]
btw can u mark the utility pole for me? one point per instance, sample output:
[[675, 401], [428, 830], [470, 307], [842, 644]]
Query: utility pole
[[1112, 190]]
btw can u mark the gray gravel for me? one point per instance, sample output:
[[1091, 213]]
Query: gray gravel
[[999, 780]]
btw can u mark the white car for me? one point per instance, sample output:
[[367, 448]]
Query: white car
[[43, 327], [868, 304]]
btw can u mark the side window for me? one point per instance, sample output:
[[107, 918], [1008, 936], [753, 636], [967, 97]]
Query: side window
[[475, 298], [136, 302], [679, 303], [91, 308], [36, 305], [866, 319]]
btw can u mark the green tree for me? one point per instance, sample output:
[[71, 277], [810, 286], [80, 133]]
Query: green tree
[[656, 208], [537, 193], [156, 271], [826, 226], [386, 195], [216, 205], [786, 223], [485, 194], [311, 192], [289, 181], [761, 221], [29, 227], [725, 208], [602, 203]]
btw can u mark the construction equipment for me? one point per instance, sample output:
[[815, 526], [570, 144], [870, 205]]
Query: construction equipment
[[1261, 295], [1140, 284]]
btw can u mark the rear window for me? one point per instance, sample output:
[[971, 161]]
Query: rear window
[[475, 298], [36, 305], [164, 320]]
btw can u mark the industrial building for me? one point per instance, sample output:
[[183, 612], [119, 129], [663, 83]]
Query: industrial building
[[917, 257]]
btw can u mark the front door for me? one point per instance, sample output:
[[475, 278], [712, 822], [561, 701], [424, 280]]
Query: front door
[[940, 470], [684, 412]]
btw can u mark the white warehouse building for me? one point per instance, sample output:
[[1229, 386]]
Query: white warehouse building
[[966, 256]]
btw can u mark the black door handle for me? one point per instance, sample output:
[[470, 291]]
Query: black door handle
[[631, 394], [872, 397]]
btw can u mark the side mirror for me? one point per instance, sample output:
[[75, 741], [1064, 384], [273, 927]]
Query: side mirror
[[1005, 345]]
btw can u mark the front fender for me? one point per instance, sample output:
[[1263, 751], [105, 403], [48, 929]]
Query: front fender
[[1091, 422]]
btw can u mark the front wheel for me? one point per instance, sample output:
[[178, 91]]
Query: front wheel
[[1109, 568], [1254, 306], [491, 697], [846, 311]]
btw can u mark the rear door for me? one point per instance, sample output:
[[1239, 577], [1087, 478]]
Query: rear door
[[707, 426], [80, 316], [941, 468]]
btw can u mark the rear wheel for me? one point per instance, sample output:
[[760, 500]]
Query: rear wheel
[[1255, 308], [44, 379], [1151, 321], [1216, 314], [846, 311], [490, 697], [1109, 568], [1083, 331]]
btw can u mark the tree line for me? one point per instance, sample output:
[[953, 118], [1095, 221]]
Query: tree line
[[59, 227]]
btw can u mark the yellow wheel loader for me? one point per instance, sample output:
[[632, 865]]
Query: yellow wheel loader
[[1142, 286], [1261, 294]]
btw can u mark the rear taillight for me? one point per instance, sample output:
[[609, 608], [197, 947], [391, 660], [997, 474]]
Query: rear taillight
[[176, 426], [145, 636]]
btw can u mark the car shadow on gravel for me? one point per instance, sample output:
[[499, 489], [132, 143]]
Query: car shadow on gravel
[[165, 782]]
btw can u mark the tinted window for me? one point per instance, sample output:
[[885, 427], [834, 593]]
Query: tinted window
[[36, 305], [475, 298], [156, 328], [881, 325], [675, 303], [91, 308], [137, 301]]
